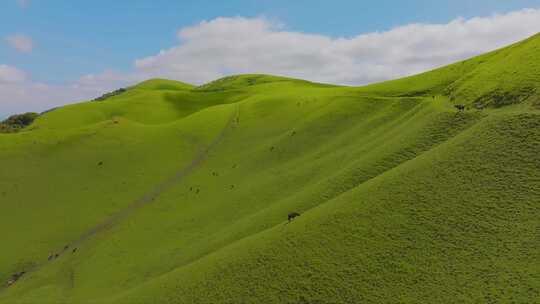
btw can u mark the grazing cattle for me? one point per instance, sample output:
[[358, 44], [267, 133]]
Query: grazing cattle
[[460, 107], [15, 277], [74, 250], [56, 255], [292, 215], [100, 163], [66, 247]]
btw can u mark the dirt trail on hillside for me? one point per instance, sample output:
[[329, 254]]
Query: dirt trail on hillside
[[146, 199], [160, 188]]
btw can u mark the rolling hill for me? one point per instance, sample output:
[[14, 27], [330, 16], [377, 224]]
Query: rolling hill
[[171, 193]]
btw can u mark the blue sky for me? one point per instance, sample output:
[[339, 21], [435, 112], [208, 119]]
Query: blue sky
[[73, 38], [70, 39]]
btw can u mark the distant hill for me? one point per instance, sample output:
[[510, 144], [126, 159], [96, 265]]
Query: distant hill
[[15, 123], [171, 193]]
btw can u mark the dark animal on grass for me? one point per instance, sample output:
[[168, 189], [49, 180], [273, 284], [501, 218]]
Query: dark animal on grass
[[74, 250], [66, 247], [292, 215], [460, 107], [56, 256], [51, 256], [100, 163], [15, 277]]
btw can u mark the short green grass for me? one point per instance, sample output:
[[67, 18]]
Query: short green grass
[[180, 194]]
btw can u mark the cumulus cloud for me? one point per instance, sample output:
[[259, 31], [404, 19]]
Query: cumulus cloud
[[224, 46], [21, 43], [9, 74], [19, 93], [38, 97], [23, 3]]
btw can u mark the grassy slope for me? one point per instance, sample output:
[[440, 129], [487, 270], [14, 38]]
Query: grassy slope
[[506, 76], [403, 199]]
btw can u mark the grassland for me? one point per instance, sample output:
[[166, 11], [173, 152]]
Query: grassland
[[179, 194]]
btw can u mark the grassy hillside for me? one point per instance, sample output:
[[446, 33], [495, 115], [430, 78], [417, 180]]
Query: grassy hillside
[[503, 77], [171, 193]]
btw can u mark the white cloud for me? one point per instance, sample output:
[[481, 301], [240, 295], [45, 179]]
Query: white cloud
[[23, 3], [38, 97], [240, 45], [21, 43], [18, 93], [9, 74], [224, 46]]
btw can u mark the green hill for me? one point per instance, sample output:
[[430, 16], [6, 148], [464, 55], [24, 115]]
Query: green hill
[[169, 193], [503, 77]]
